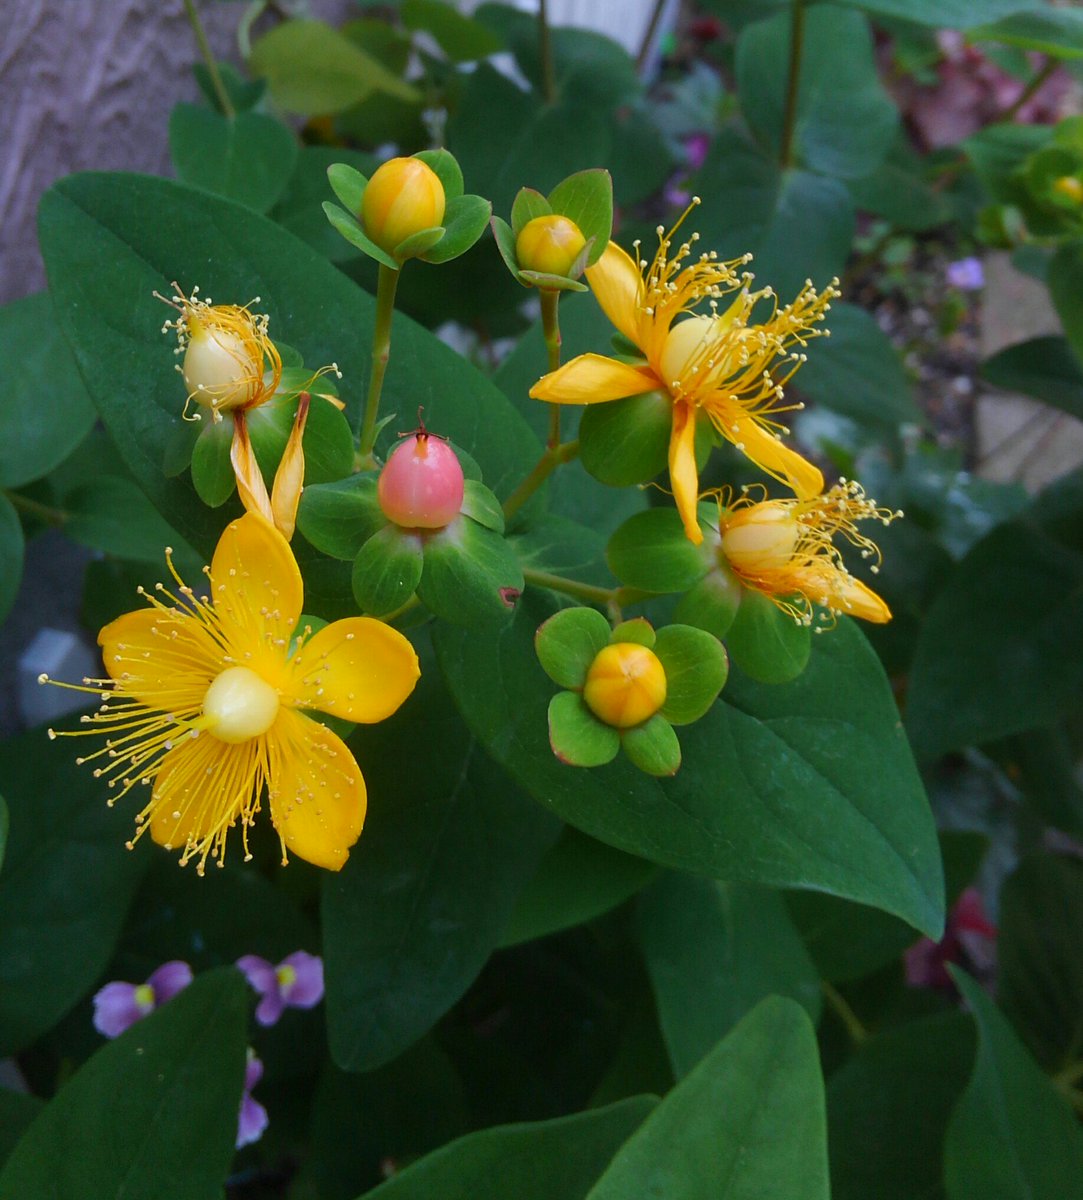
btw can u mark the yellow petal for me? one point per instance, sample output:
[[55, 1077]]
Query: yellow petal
[[162, 657], [618, 287], [771, 455], [852, 597], [257, 593], [593, 379], [359, 669], [250, 485], [290, 476], [317, 793], [683, 475]]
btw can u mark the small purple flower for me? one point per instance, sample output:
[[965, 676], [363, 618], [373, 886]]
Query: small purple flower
[[297, 982], [252, 1119], [118, 1006], [966, 274]]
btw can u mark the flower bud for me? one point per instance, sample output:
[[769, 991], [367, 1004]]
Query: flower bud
[[222, 369], [402, 198], [549, 245], [760, 538], [1070, 187], [626, 685], [421, 486]]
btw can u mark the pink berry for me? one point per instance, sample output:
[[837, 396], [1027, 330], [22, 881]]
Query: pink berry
[[421, 486]]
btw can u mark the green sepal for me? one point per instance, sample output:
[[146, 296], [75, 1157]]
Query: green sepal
[[653, 746], [576, 735], [387, 570], [527, 205], [569, 642], [766, 643], [550, 282], [471, 575], [445, 166], [712, 603], [638, 630], [465, 219], [418, 244], [587, 199], [339, 518], [212, 470], [349, 185], [351, 230], [622, 442], [696, 668], [651, 551], [480, 505], [505, 243], [179, 448]]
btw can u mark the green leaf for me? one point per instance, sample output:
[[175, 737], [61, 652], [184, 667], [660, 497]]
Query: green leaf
[[579, 879], [142, 232], [460, 38], [65, 888], [244, 93], [153, 1113], [1011, 1134], [348, 184], [623, 442], [11, 555], [17, 1113], [527, 205], [542, 1160], [339, 518], [465, 220], [113, 515], [714, 951], [351, 230], [1044, 368], [445, 167], [798, 225], [899, 192], [858, 372], [428, 890], [3, 829], [638, 630], [300, 207], [1056, 32], [479, 504], [942, 14], [569, 642], [696, 668], [888, 1109], [766, 643], [212, 467], [46, 411], [505, 243], [587, 199], [653, 746], [471, 574], [650, 551], [712, 604], [844, 121], [577, 737], [1066, 290], [1001, 649], [998, 151], [747, 1122], [313, 69], [387, 570], [247, 158], [808, 785]]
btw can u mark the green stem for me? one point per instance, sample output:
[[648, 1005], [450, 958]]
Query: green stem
[[545, 50], [551, 458], [550, 306], [1037, 81], [32, 508], [224, 102], [839, 1006], [797, 42], [648, 37], [381, 352], [612, 599]]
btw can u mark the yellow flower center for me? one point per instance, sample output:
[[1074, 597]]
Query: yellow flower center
[[144, 997], [761, 538], [1070, 187], [219, 369], [549, 244], [286, 975], [402, 198], [240, 705], [694, 357], [626, 685]]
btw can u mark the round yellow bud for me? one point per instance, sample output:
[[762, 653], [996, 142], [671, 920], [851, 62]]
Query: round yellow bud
[[240, 705], [694, 353], [626, 685], [549, 244], [403, 197], [220, 369], [1070, 187], [760, 538]]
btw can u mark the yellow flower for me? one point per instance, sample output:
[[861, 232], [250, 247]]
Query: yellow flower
[[206, 701], [784, 549], [722, 365]]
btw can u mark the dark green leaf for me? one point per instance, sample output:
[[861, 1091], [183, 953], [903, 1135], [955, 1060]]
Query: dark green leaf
[[387, 570], [11, 555], [460, 38], [747, 1122], [46, 411], [942, 14], [153, 1113], [17, 1113], [624, 442], [471, 574], [244, 93], [1066, 289], [766, 643], [712, 604], [113, 515], [1011, 1135], [300, 207], [339, 518], [650, 551], [898, 191], [1057, 32], [714, 951], [1042, 367]]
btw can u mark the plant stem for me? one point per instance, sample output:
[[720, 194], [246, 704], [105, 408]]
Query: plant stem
[[839, 1006], [1037, 81], [648, 37], [224, 102], [550, 305], [797, 42], [551, 458], [33, 508], [612, 599], [381, 352], [545, 50]]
